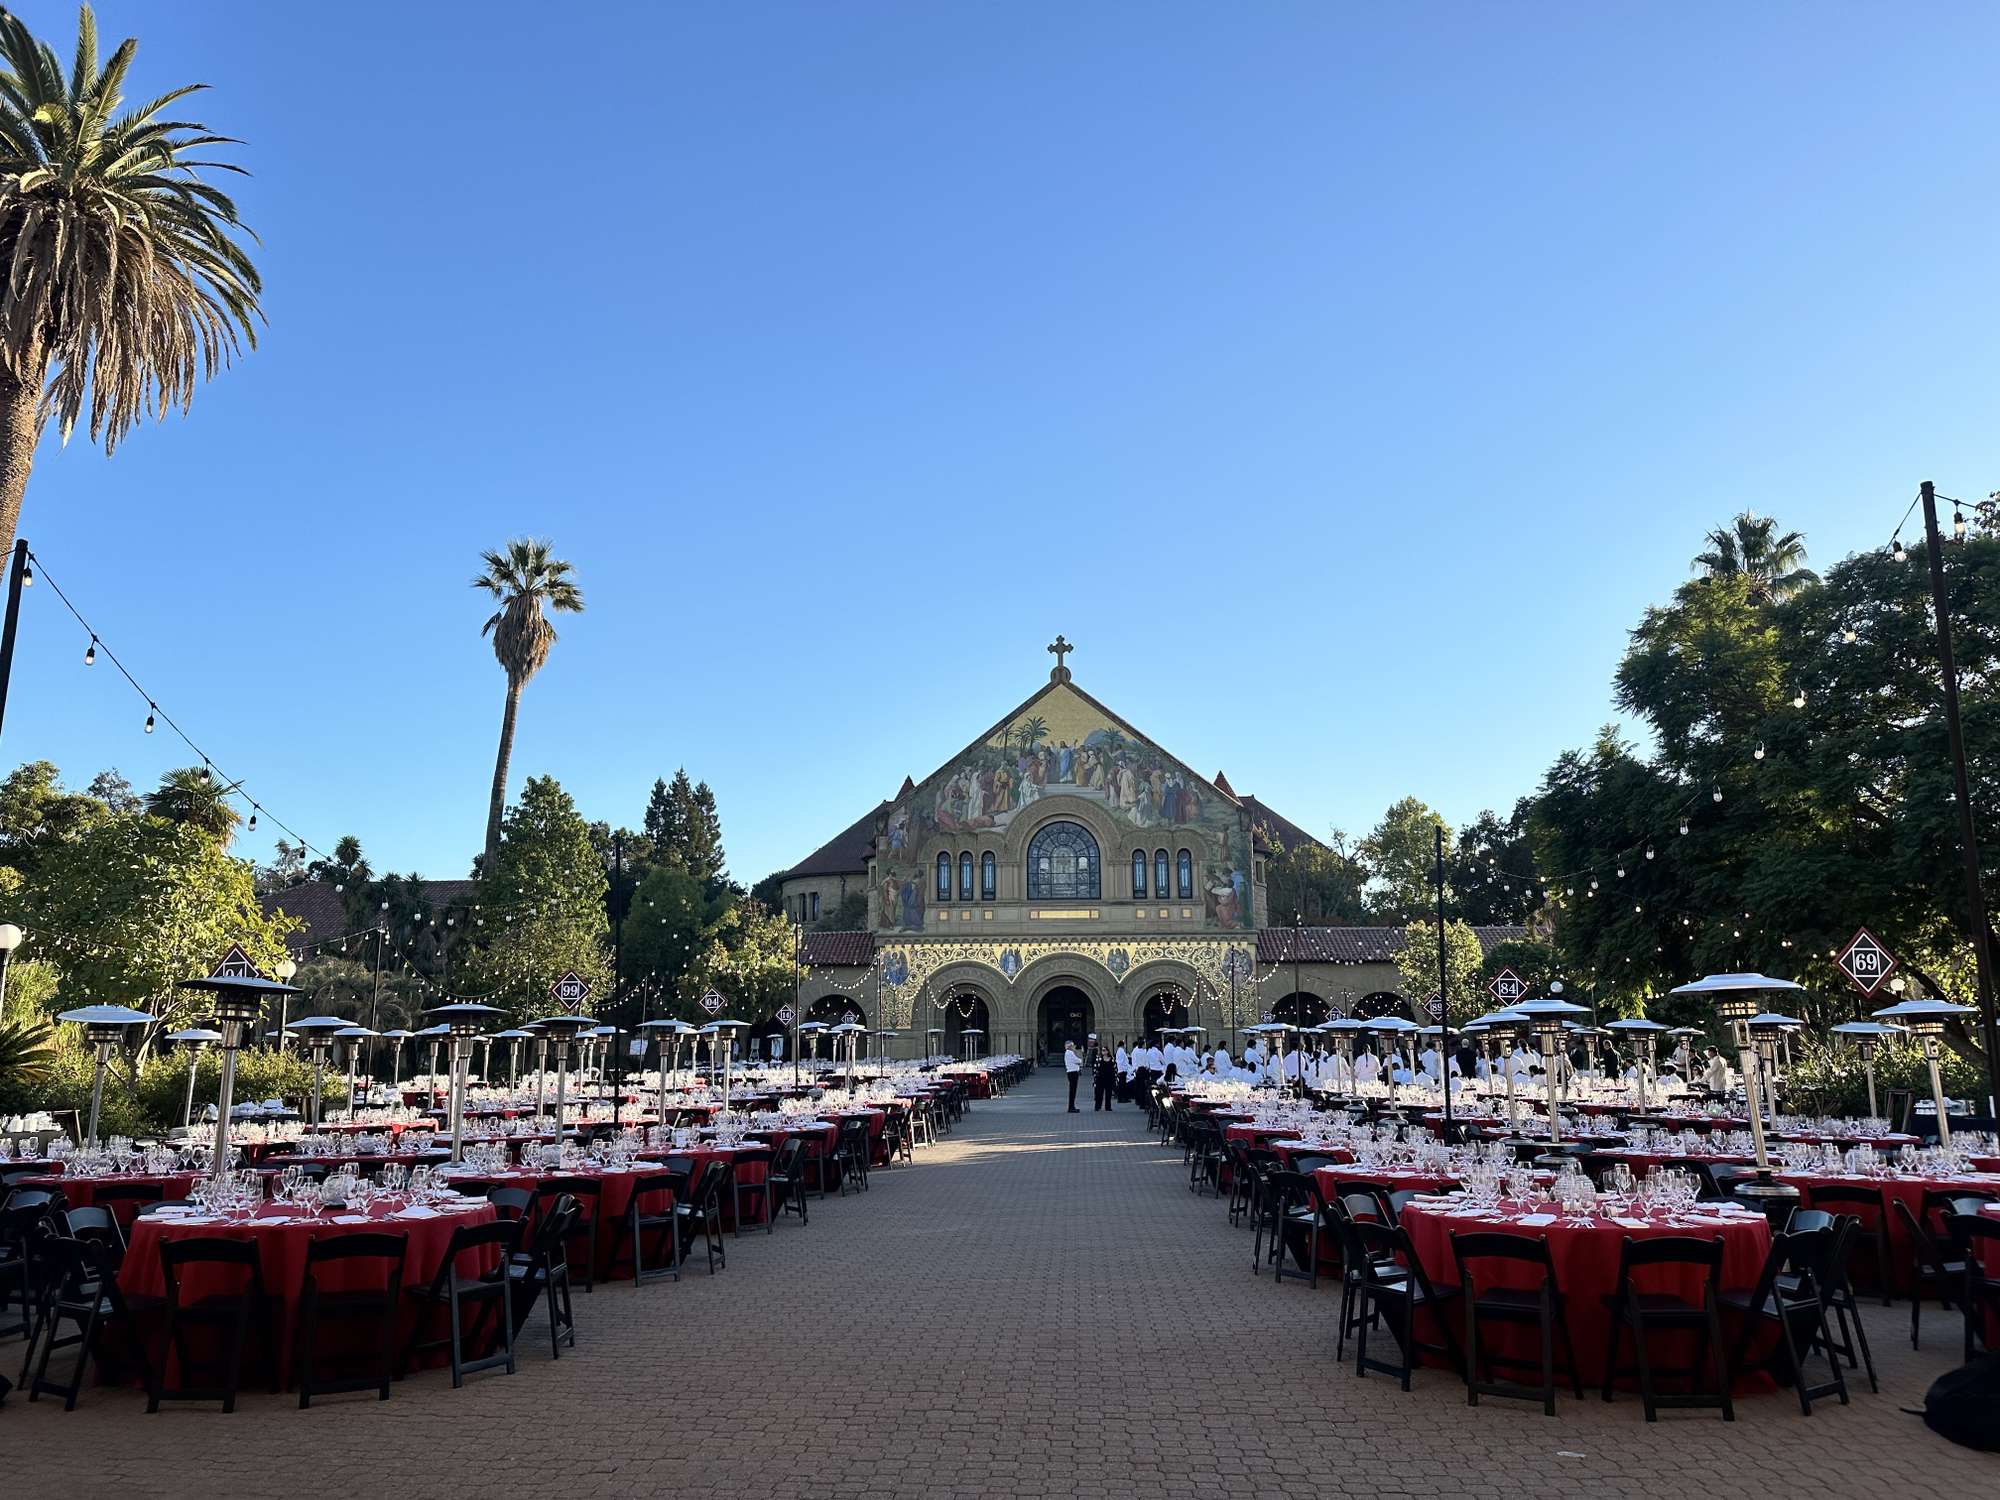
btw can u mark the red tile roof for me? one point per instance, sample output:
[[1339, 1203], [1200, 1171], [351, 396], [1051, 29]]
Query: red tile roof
[[1356, 945], [1288, 834], [826, 950]]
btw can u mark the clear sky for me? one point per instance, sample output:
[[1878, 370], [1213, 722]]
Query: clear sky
[[1343, 379]]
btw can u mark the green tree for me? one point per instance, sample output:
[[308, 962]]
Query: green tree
[[684, 828], [1417, 963], [1321, 884], [1490, 871], [115, 792], [541, 907], [127, 282], [1401, 858], [1751, 547], [749, 958], [193, 795], [37, 812], [524, 579], [140, 904], [673, 920]]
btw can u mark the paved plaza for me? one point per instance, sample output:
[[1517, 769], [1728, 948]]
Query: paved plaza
[[1037, 1307]]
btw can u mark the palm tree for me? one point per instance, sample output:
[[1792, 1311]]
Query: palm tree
[[523, 579], [124, 279], [1750, 547], [192, 795]]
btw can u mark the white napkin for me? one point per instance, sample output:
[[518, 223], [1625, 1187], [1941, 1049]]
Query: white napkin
[[1535, 1221], [350, 1218], [415, 1211], [1630, 1223]]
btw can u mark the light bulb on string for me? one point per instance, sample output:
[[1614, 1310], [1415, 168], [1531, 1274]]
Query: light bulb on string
[[252, 825], [1847, 635], [1897, 550], [90, 653], [1799, 698], [1716, 794], [28, 572], [1684, 827], [152, 709], [1758, 753], [1649, 851], [1958, 525]]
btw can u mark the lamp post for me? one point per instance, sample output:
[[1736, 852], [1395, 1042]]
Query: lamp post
[[194, 1038], [104, 1027], [1544, 1020], [1924, 1020], [464, 1020], [1735, 997], [1645, 1035], [559, 1032], [10, 939], [317, 1034], [238, 1004], [351, 1038], [1866, 1036]]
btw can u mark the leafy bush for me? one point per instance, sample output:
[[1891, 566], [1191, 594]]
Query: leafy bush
[[65, 1084], [261, 1073], [1832, 1077]]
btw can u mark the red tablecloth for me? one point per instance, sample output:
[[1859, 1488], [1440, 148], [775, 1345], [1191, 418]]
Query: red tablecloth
[[607, 1213], [1586, 1268], [1333, 1180], [81, 1192], [1909, 1190], [1642, 1162], [281, 1235]]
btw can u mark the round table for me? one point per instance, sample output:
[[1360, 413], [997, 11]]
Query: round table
[[1585, 1256], [1906, 1190], [281, 1234]]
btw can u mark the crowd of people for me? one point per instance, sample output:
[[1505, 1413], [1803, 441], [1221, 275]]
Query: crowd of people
[[1125, 1074]]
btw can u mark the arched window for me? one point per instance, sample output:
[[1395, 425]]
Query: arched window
[[1138, 874], [1161, 883], [986, 876], [944, 877], [1063, 864], [965, 876], [1184, 875]]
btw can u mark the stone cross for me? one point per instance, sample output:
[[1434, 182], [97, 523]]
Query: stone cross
[[1059, 650]]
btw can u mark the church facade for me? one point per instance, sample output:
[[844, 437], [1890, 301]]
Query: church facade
[[1064, 874]]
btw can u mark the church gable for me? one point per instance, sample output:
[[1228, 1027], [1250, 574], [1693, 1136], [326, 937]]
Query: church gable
[[1062, 742]]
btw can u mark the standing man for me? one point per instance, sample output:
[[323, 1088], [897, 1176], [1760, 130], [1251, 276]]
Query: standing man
[[1103, 1075], [1072, 1065]]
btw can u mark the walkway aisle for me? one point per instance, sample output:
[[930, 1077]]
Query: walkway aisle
[[1037, 1307]]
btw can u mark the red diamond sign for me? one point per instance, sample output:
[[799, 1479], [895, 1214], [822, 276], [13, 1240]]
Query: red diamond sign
[[1866, 962], [1507, 987]]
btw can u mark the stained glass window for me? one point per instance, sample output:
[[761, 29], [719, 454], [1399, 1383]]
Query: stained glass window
[[986, 876], [965, 876], [1139, 874], [1184, 876], [1063, 864], [1161, 884], [944, 877]]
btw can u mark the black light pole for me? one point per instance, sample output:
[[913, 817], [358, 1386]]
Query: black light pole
[[617, 975], [1444, 996], [1968, 834], [375, 1002], [17, 577], [798, 938]]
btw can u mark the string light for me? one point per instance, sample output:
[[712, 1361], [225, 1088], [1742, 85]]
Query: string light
[[1958, 525], [1898, 551], [1757, 754], [90, 653], [151, 710]]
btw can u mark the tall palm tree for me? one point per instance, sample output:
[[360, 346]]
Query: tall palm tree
[[124, 279], [1752, 547], [193, 795], [523, 578]]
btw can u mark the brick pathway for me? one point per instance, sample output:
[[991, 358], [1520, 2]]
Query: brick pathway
[[1038, 1307]]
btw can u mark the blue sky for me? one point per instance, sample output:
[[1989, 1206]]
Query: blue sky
[[1343, 379]]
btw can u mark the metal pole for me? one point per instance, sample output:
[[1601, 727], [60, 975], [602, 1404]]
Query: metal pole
[[1968, 834], [375, 1005], [1444, 998], [617, 974], [104, 1061], [187, 1109], [15, 575], [459, 1055], [798, 939], [232, 1036], [6, 957]]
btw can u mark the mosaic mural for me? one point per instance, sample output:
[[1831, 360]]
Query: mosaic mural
[[1062, 744]]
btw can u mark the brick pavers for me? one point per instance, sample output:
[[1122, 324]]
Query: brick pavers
[[1037, 1307]]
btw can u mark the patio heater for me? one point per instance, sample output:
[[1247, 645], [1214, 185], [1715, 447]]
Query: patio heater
[[723, 1034], [1393, 1029], [1645, 1036], [885, 1035], [194, 1038], [513, 1037], [1924, 1020], [238, 1004], [1507, 1028], [1735, 997], [968, 1039], [1767, 1028], [435, 1035], [317, 1034], [1343, 1032], [665, 1032], [395, 1037], [534, 1029], [463, 1020], [104, 1027], [351, 1038], [560, 1032], [806, 1036], [933, 1048], [849, 1034], [1866, 1037], [1544, 1020]]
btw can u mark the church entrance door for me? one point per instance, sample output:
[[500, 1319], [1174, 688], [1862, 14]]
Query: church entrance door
[[1066, 1016]]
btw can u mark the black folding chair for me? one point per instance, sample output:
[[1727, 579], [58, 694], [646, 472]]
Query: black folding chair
[[542, 1272], [1869, 1209], [1933, 1266], [487, 1291], [1390, 1285], [1789, 1301], [784, 1183], [372, 1309], [581, 1229], [647, 1215], [239, 1315], [1542, 1308], [85, 1295], [1976, 1241], [701, 1215], [1640, 1314]]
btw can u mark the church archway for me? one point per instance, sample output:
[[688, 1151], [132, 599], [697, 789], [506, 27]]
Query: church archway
[[1383, 1003], [1065, 1015], [1166, 1006], [968, 1011], [1300, 1008]]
